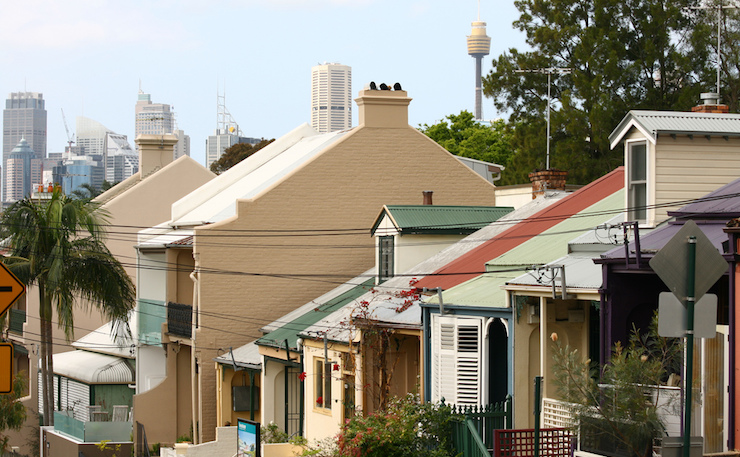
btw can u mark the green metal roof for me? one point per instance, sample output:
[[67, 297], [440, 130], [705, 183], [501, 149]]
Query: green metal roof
[[550, 245], [290, 330], [412, 219]]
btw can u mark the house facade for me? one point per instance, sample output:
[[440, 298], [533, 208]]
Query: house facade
[[278, 229]]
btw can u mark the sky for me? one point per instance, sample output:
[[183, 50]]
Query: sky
[[90, 57]]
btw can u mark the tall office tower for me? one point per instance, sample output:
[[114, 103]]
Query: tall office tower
[[122, 161], [182, 147], [91, 136], [22, 170], [331, 97], [153, 118], [227, 133], [24, 117], [479, 45]]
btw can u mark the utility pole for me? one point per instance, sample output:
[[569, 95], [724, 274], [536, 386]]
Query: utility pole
[[549, 72]]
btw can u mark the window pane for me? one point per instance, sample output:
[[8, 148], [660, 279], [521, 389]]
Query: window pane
[[638, 162], [638, 201]]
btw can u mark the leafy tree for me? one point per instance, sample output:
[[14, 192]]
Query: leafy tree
[[621, 55], [57, 245], [85, 191], [12, 411], [235, 154], [466, 137], [617, 405]]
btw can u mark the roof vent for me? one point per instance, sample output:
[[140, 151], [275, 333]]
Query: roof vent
[[710, 98], [710, 104]]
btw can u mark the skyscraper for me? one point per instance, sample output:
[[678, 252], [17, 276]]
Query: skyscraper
[[227, 133], [153, 118], [331, 97], [479, 45], [22, 170], [24, 117]]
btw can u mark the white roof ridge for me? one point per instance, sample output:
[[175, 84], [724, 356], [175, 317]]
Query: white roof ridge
[[202, 194]]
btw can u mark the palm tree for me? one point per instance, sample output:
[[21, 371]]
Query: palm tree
[[57, 245]]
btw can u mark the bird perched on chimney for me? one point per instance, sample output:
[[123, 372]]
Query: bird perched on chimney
[[384, 86], [373, 86], [397, 86]]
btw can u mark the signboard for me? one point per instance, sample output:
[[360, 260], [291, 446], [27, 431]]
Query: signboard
[[247, 438], [671, 263], [674, 317], [11, 288], [6, 368]]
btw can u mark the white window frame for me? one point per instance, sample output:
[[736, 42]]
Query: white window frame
[[646, 182]]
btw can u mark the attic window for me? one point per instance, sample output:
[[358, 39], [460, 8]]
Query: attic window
[[637, 181], [385, 257]]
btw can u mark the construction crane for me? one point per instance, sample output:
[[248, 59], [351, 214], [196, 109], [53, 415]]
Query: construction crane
[[70, 136]]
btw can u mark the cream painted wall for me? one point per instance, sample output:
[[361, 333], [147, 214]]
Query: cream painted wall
[[342, 188]]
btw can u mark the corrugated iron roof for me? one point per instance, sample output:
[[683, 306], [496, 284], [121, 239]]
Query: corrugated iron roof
[[94, 368], [652, 123], [470, 265], [247, 356], [722, 203], [410, 219], [290, 330]]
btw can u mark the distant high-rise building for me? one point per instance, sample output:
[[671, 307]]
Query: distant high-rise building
[[78, 170], [91, 136], [331, 97], [153, 118], [122, 161], [22, 170], [159, 119], [182, 147], [226, 134], [24, 117], [479, 45]]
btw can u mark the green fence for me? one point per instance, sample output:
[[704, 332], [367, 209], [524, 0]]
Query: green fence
[[473, 434]]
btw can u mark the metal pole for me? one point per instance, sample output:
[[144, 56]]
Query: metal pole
[[549, 76], [537, 403], [689, 345]]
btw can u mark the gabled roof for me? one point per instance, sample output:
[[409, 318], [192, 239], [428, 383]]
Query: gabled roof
[[653, 123], [217, 199], [544, 248], [470, 265], [418, 219]]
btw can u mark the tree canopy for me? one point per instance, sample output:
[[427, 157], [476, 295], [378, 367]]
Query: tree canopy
[[235, 154], [57, 245], [604, 58], [466, 137]]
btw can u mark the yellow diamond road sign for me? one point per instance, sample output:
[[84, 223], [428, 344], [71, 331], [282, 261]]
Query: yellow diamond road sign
[[11, 288]]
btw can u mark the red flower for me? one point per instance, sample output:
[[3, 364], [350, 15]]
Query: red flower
[[302, 375], [335, 367], [320, 400]]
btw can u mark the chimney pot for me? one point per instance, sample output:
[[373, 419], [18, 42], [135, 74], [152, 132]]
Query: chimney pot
[[547, 180], [427, 197]]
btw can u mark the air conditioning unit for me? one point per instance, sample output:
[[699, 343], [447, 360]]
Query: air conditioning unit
[[533, 314]]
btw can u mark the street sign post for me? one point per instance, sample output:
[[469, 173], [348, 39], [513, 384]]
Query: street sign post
[[676, 264], [11, 288]]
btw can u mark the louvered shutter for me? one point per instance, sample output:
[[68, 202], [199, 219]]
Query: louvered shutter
[[456, 359]]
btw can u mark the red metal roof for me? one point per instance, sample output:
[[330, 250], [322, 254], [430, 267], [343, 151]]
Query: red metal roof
[[471, 264]]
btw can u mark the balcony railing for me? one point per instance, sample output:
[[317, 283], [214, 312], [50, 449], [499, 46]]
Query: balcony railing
[[179, 319], [17, 319], [92, 432]]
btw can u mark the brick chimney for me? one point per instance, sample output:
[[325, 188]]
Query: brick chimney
[[155, 151], [711, 104], [427, 197], [383, 108], [547, 180]]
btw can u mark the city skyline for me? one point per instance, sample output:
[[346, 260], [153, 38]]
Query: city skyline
[[183, 53]]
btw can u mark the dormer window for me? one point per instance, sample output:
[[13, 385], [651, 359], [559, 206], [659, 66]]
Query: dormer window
[[637, 173], [385, 257]]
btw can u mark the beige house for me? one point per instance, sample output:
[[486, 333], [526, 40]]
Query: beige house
[[277, 230], [142, 200], [675, 156]]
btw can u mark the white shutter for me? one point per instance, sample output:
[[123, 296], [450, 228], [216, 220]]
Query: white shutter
[[456, 359]]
